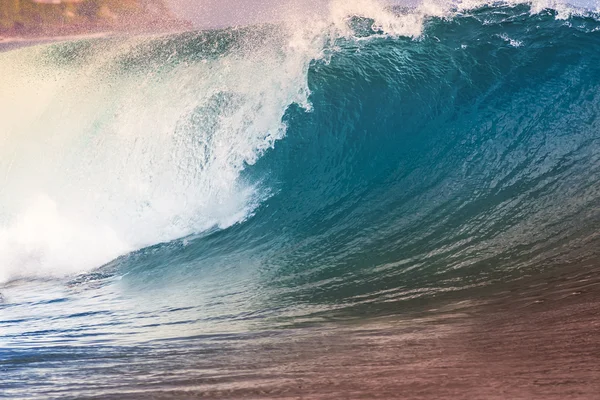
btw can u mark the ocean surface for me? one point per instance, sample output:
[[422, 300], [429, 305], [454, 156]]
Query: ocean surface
[[375, 203]]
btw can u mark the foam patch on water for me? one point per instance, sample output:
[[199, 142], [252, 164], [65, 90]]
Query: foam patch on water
[[42, 240]]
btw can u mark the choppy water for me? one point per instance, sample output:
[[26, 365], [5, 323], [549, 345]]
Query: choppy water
[[314, 210]]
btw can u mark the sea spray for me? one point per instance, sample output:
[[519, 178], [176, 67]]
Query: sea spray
[[144, 153]]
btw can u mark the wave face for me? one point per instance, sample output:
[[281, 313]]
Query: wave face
[[381, 156]]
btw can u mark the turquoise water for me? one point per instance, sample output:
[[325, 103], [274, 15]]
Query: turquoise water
[[194, 196]]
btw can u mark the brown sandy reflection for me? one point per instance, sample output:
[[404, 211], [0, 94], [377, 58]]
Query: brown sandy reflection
[[538, 340]]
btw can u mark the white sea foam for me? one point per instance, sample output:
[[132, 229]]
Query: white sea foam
[[96, 161]]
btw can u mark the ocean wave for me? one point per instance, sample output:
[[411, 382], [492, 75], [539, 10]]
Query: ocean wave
[[373, 155]]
